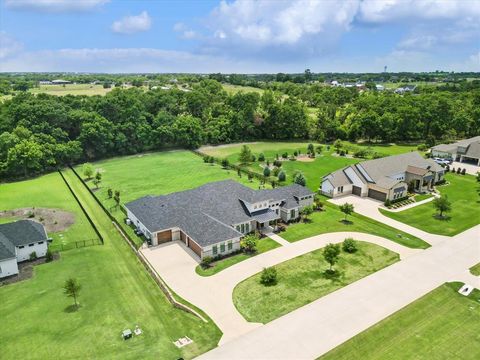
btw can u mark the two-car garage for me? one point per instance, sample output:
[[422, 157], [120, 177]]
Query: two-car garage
[[377, 195], [169, 235]]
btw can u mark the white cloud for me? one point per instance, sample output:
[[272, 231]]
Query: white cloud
[[54, 5], [185, 31], [375, 11], [8, 45], [133, 24]]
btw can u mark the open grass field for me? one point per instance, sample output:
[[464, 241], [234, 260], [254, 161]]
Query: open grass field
[[233, 89], [441, 325], [313, 170], [48, 191], [117, 293], [303, 279], [263, 245], [330, 220], [70, 89], [156, 174], [462, 193]]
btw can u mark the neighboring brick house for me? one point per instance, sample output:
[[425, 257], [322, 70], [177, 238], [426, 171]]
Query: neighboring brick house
[[467, 150], [384, 178], [212, 218], [17, 241]]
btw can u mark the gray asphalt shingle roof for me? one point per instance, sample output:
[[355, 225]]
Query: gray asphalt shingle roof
[[208, 212], [19, 233]]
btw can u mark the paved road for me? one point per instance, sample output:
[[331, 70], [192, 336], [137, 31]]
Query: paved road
[[326, 323], [176, 265], [369, 207]]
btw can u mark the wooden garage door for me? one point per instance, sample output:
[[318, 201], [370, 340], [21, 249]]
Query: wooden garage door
[[356, 190], [195, 247], [164, 236], [377, 195], [183, 237]]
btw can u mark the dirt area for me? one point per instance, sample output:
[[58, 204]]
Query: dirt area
[[25, 270], [53, 219], [305, 159]]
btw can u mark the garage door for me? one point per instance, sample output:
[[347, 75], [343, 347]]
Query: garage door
[[377, 195], [164, 236], [356, 190], [195, 247], [183, 237]]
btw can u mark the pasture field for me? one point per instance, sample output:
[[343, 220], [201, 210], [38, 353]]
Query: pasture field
[[461, 192], [233, 89], [302, 280], [70, 89], [155, 174], [47, 191], [117, 293], [441, 325]]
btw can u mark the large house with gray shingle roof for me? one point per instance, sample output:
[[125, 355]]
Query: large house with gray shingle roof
[[17, 241], [384, 178], [212, 218], [467, 150]]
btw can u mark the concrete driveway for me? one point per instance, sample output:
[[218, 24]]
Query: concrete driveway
[[469, 168], [369, 207], [176, 265], [317, 328]]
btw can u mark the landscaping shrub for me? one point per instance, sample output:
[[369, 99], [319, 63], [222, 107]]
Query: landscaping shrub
[[206, 159], [441, 182], [249, 244], [269, 276], [225, 163], [277, 163], [458, 170], [49, 256], [261, 157], [342, 153], [360, 153], [254, 158], [422, 147], [285, 155], [447, 168], [319, 149], [206, 262], [282, 176], [266, 171], [377, 155], [398, 200], [464, 171], [33, 255], [268, 162], [275, 171], [388, 202], [349, 245], [292, 158]]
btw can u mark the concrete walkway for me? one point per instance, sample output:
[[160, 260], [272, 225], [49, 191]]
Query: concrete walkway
[[279, 239], [369, 207], [213, 294], [314, 329]]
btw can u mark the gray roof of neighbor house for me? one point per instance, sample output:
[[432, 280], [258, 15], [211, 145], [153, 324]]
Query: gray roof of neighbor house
[[381, 171], [208, 212], [472, 145], [19, 233]]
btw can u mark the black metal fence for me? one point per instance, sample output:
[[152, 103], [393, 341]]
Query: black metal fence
[[75, 245]]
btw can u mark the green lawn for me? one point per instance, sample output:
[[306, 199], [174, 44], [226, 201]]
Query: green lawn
[[156, 174], [117, 293], [313, 170], [330, 220], [475, 270], [421, 197], [233, 89], [263, 245], [47, 191], [70, 89], [462, 193], [302, 280], [441, 325]]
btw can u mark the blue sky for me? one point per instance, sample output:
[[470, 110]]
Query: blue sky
[[239, 36]]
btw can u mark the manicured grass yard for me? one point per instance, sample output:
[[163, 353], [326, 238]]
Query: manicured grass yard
[[117, 293], [462, 193], [330, 220], [475, 270], [441, 325], [263, 245], [302, 280], [156, 174], [48, 191]]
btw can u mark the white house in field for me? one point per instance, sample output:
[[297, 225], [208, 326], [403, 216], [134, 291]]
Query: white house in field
[[18, 240]]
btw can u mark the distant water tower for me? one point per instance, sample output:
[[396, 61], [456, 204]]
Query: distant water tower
[[385, 69]]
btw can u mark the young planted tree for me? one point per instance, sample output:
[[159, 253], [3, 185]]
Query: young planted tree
[[245, 155], [331, 253], [299, 179], [249, 244], [266, 171], [269, 276], [72, 289], [87, 170], [97, 179], [116, 197], [225, 163], [282, 176], [310, 148], [261, 157], [306, 212], [442, 204], [347, 209], [109, 193]]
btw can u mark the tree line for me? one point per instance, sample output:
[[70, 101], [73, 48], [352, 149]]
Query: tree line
[[42, 132]]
